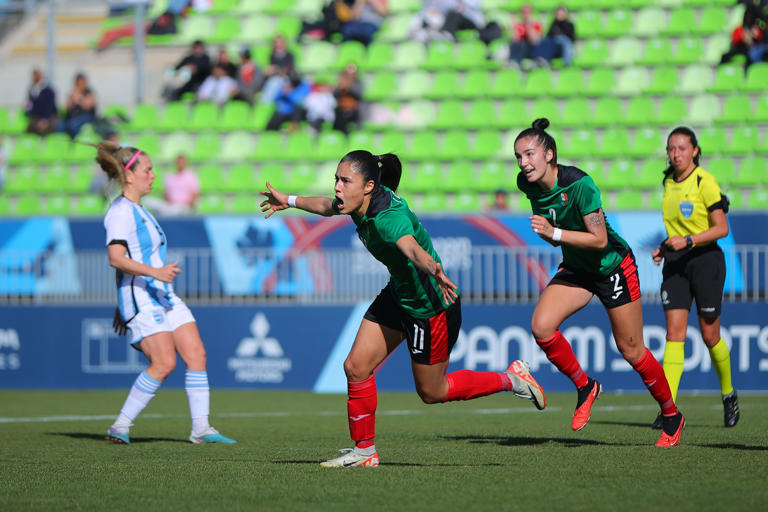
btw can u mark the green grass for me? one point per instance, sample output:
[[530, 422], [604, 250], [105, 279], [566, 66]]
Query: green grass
[[495, 453]]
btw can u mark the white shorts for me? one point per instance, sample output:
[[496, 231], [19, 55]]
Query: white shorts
[[155, 320]]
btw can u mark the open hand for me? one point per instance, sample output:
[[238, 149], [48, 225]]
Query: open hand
[[274, 202]]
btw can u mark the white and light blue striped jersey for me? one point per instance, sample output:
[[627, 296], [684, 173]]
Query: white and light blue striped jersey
[[132, 226]]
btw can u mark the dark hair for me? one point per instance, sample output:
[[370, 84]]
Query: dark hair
[[383, 169], [113, 157], [543, 138], [682, 130]]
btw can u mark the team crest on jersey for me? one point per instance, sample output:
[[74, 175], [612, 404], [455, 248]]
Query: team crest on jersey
[[563, 197], [686, 208]]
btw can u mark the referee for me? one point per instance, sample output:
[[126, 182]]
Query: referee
[[694, 267]]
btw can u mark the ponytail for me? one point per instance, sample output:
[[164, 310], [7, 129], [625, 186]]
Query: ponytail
[[383, 169], [681, 130], [537, 130], [113, 158]]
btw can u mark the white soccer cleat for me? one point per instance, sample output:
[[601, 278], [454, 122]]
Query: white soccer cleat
[[211, 435], [351, 458], [524, 385]]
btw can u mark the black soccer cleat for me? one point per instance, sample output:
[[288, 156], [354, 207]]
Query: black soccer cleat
[[658, 422], [731, 409]]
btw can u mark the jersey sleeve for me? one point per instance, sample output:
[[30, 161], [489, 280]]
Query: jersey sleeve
[[588, 196], [393, 225], [710, 193], [119, 225]]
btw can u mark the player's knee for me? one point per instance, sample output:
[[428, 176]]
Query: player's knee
[[164, 366], [430, 396], [631, 353], [542, 329], [355, 372]]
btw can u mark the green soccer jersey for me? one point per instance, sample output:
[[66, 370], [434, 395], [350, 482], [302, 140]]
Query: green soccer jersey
[[573, 196], [388, 219]]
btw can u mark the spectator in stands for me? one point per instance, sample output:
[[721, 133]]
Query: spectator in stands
[[500, 200], [163, 24], [349, 95], [289, 104], [40, 106], [366, 19], [427, 24], [746, 41], [526, 38], [224, 61], [463, 15], [755, 13], [81, 107], [281, 64], [560, 38], [320, 104], [334, 13], [182, 188], [249, 77], [218, 87], [192, 70]]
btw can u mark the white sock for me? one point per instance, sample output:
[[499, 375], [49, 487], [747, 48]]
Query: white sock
[[368, 451], [199, 394], [142, 391]]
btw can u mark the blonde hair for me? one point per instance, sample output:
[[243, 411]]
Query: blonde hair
[[112, 158]]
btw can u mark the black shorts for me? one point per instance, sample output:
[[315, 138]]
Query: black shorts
[[430, 340], [700, 275], [620, 287]]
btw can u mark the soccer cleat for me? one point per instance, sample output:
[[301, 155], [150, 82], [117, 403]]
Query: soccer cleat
[[524, 385], [211, 435], [731, 409], [116, 437], [351, 458], [587, 396], [674, 424], [656, 425]]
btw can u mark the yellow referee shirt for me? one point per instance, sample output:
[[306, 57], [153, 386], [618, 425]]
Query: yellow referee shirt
[[687, 204]]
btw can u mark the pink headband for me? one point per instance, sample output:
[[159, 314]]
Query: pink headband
[[133, 159]]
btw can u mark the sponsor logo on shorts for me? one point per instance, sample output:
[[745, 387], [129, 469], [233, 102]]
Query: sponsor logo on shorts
[[664, 297], [708, 310]]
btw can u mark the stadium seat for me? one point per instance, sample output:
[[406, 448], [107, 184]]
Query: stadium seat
[[588, 22], [242, 178], [90, 205], [58, 178], [227, 29], [689, 51], [393, 142], [289, 26], [12, 124], [570, 82], [728, 78], [672, 110], [245, 203], [628, 200], [329, 145], [381, 86], [445, 85], [423, 146], [257, 29], [221, 6], [757, 77], [395, 28], [614, 143], [466, 202], [581, 143], [409, 55], [175, 117], [196, 27], [350, 52], [238, 146], [486, 145], [680, 22], [235, 115], [28, 205], [455, 145], [300, 146], [211, 178], [57, 205], [745, 139], [608, 111], [477, 83], [717, 45], [145, 117], [632, 81], [703, 110], [471, 55], [212, 204], [760, 113], [664, 80], [456, 176], [440, 55], [149, 143], [594, 52], [481, 114], [657, 52], [425, 178], [753, 171], [24, 179], [712, 140], [736, 109], [413, 85], [317, 56], [175, 144], [544, 107], [380, 56], [601, 81], [206, 147], [508, 82], [757, 199], [538, 83], [625, 52], [621, 175], [649, 21], [55, 147], [80, 181], [27, 148], [696, 79], [640, 111], [576, 112], [449, 114], [651, 173], [722, 168], [432, 203], [647, 142], [617, 23], [513, 114], [711, 21]]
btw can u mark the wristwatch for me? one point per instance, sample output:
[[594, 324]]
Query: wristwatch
[[688, 241]]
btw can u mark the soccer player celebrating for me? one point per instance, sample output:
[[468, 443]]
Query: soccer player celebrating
[[567, 212], [420, 303], [159, 322], [694, 266]]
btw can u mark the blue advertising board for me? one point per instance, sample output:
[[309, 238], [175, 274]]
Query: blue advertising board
[[303, 347]]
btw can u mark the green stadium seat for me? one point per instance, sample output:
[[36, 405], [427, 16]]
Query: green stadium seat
[[317, 56], [758, 199], [651, 173], [28, 205], [423, 146], [712, 140], [640, 111], [57, 178], [419, 113], [278, 6], [657, 52], [625, 52], [363, 140], [394, 142], [570, 82], [621, 175], [471, 55], [753, 171], [413, 85], [206, 147], [440, 55], [608, 111], [350, 52], [594, 52], [757, 77], [444, 86], [304, 176], [672, 110], [238, 146], [576, 112], [381, 86], [300, 145], [544, 107], [508, 82], [466, 202], [427, 177], [227, 29], [409, 55], [628, 200], [477, 83], [211, 178], [26, 148], [394, 28], [760, 113], [703, 110], [145, 117], [481, 114], [149, 143], [617, 23], [245, 203], [696, 79], [257, 29], [722, 168], [728, 78], [56, 147], [581, 143], [402, 6], [380, 56], [745, 139], [513, 113], [649, 22], [492, 176], [175, 144], [717, 45], [329, 145], [242, 178], [269, 145], [681, 21], [196, 27], [711, 21], [81, 179], [57, 205], [647, 142], [90, 206], [212, 204], [235, 115], [175, 117], [24, 179], [689, 51], [455, 145], [433, 203], [588, 22], [664, 81], [601, 81], [614, 142], [539, 83], [486, 144], [458, 174], [222, 6], [288, 26], [736, 109], [632, 81]]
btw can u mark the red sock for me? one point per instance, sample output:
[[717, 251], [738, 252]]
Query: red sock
[[654, 379], [361, 409], [466, 384], [560, 353]]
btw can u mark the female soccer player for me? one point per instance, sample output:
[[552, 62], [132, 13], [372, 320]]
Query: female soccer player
[[567, 212], [419, 303], [694, 267], [160, 323]]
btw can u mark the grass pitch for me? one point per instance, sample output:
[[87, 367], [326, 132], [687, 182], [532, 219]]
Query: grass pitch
[[494, 453]]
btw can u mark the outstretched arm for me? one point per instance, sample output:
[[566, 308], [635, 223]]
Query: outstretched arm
[[276, 201], [427, 264], [595, 238], [118, 259]]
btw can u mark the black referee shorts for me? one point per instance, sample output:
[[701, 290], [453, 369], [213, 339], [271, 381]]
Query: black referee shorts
[[699, 274]]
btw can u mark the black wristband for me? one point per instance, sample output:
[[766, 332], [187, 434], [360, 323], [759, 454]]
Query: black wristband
[[688, 241]]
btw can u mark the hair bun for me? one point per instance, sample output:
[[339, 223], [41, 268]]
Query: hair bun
[[541, 123]]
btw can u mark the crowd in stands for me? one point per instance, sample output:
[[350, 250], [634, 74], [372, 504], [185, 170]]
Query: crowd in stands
[[43, 114], [748, 40]]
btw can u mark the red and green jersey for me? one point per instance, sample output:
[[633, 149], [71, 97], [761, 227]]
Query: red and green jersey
[[573, 196], [386, 221]]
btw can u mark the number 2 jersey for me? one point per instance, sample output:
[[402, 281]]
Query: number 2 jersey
[[573, 196], [132, 226], [386, 221]]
